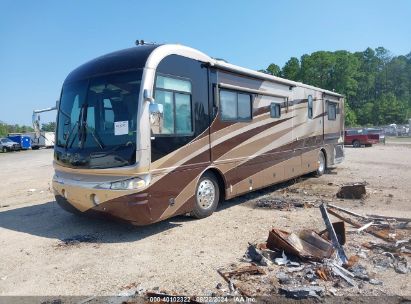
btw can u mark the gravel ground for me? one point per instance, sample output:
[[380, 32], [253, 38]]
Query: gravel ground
[[180, 254]]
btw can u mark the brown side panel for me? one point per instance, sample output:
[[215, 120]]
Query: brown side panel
[[172, 194], [233, 143]]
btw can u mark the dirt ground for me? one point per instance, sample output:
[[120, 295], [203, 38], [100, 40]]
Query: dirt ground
[[180, 254]]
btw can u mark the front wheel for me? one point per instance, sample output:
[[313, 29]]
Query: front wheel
[[4, 149], [207, 196], [356, 144], [321, 164]]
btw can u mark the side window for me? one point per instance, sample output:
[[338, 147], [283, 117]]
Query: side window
[[332, 111], [310, 106], [275, 110], [228, 105], [235, 106], [175, 96]]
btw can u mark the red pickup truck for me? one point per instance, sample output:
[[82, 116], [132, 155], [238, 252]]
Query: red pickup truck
[[360, 137]]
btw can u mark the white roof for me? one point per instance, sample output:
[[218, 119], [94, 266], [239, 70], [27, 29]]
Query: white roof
[[177, 49]]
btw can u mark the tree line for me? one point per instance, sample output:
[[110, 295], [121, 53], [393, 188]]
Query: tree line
[[5, 128], [376, 84]]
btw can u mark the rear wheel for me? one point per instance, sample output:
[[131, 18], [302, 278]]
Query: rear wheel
[[356, 144], [321, 164], [4, 149], [207, 196]]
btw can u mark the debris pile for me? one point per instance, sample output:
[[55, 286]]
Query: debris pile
[[310, 264], [281, 203]]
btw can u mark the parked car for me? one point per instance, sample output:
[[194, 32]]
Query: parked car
[[360, 137], [378, 131], [7, 144]]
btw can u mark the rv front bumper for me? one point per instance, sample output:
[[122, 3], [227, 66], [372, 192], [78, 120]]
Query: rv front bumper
[[125, 205]]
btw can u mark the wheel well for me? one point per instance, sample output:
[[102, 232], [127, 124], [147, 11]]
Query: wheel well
[[220, 180], [325, 156]]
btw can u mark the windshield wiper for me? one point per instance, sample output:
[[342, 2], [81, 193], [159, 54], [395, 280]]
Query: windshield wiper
[[69, 135], [111, 152], [82, 135], [98, 141]]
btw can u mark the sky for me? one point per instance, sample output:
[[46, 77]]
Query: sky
[[42, 41]]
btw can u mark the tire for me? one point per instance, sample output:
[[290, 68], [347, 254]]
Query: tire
[[207, 196], [4, 149], [356, 144], [322, 164]]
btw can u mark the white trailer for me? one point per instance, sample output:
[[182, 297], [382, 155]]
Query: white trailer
[[44, 140]]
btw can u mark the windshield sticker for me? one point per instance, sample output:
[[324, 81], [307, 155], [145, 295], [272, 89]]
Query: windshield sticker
[[121, 127]]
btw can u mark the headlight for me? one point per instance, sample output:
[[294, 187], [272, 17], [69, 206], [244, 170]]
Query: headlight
[[128, 184]]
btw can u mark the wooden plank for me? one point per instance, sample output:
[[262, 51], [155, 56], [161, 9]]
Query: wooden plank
[[370, 230]]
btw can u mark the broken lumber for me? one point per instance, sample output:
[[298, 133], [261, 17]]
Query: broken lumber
[[347, 211], [398, 219], [370, 230], [251, 270]]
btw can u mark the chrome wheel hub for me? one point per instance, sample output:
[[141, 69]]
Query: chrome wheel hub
[[321, 161], [205, 194]]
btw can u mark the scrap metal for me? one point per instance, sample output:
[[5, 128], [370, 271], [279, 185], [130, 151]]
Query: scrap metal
[[331, 232], [307, 245]]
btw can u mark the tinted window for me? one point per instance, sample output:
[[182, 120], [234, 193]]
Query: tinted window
[[174, 84], [182, 68], [275, 110], [183, 113], [166, 99], [332, 110], [235, 106], [108, 115], [310, 106], [175, 96], [228, 103], [244, 106], [97, 121]]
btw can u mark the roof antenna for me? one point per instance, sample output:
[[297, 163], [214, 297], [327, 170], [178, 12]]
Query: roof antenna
[[142, 42]]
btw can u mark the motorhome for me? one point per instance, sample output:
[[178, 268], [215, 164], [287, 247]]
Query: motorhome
[[154, 131]]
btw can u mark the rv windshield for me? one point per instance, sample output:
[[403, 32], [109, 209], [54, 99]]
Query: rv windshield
[[97, 121]]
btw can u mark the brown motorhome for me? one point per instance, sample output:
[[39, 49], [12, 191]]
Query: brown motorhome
[[154, 131]]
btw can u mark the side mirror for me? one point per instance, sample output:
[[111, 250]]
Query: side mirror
[[148, 96], [156, 117]]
